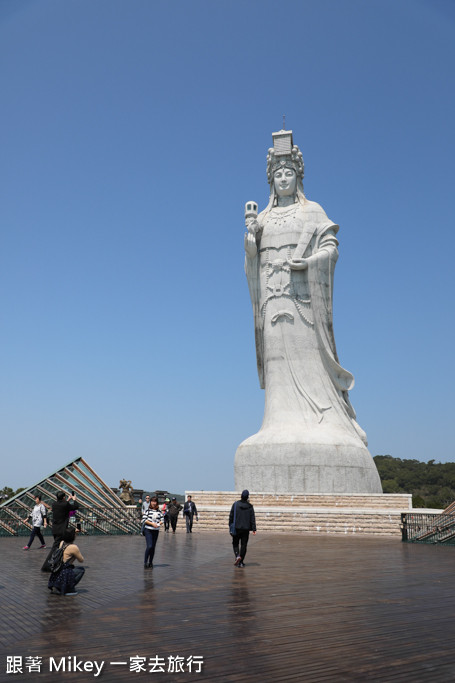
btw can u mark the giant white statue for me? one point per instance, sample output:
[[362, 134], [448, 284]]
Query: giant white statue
[[309, 440]]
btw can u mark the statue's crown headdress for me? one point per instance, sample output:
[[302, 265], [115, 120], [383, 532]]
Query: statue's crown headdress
[[284, 154]]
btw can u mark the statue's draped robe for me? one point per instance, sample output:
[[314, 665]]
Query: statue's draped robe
[[306, 389]]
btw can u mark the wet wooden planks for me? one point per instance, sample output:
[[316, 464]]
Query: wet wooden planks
[[305, 608]]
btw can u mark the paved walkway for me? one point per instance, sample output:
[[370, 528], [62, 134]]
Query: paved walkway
[[305, 608]]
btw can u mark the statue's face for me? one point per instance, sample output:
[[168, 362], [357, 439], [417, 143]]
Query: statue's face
[[285, 181]]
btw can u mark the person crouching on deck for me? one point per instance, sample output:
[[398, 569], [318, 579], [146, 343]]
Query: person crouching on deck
[[68, 576]]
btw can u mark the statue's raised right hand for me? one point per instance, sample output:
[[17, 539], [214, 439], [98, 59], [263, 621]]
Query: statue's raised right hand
[[252, 225]]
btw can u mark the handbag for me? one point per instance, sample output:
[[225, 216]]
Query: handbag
[[143, 528], [232, 527]]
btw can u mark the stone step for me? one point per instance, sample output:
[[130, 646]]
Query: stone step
[[309, 521], [381, 501]]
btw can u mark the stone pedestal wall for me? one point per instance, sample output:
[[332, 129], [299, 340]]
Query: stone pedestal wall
[[375, 514]]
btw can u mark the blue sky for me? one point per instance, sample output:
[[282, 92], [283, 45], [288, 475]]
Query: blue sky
[[132, 133]]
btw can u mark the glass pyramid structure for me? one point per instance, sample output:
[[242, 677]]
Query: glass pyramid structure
[[101, 511]]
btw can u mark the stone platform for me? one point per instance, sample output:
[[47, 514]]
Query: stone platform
[[378, 514]]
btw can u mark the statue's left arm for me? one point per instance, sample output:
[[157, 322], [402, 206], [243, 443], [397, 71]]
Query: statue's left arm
[[327, 244], [321, 269]]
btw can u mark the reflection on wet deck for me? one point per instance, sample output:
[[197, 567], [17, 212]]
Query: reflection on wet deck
[[305, 608]]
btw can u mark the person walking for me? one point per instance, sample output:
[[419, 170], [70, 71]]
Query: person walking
[[190, 510], [241, 522], [152, 521], [139, 509], [145, 505], [173, 511], [39, 519], [164, 510]]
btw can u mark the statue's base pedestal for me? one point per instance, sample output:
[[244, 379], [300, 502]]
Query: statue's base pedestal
[[263, 463], [369, 514]]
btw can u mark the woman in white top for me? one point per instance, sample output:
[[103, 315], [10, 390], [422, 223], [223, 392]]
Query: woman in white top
[[39, 519], [152, 520]]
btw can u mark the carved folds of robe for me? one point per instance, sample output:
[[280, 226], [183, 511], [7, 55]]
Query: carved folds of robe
[[309, 440]]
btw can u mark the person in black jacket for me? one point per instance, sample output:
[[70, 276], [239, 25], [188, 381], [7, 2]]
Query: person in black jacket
[[61, 513], [189, 510], [173, 511], [60, 517], [242, 514]]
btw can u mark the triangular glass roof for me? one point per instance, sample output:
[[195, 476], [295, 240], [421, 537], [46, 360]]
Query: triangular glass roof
[[101, 510]]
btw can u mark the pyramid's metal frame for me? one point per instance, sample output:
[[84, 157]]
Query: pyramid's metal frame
[[101, 511]]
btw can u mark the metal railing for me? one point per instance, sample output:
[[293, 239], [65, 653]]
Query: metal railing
[[428, 528], [99, 521]]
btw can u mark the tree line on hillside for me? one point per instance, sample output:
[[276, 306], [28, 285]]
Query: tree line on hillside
[[432, 484], [6, 493]]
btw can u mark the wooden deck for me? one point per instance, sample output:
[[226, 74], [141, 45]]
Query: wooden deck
[[305, 608]]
